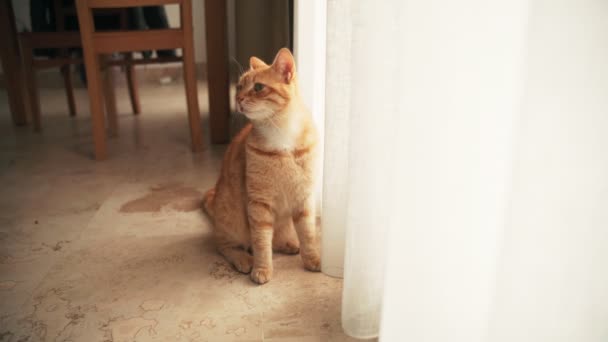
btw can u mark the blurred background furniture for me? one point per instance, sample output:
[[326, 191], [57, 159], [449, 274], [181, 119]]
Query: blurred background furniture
[[233, 30], [12, 66], [218, 70], [55, 36], [96, 43]]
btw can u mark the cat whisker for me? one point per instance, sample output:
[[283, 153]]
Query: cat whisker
[[241, 70]]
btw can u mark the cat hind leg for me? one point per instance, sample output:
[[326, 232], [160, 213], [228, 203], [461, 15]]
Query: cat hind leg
[[236, 255], [285, 239]]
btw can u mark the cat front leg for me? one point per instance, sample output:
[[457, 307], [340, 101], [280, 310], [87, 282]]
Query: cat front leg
[[304, 221], [261, 223]]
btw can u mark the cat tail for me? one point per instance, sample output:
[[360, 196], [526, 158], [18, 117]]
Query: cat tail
[[208, 201]]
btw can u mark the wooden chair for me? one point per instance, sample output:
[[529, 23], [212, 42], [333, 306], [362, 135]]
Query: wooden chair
[[98, 43], [62, 40]]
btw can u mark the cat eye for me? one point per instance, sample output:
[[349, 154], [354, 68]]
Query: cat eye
[[258, 87]]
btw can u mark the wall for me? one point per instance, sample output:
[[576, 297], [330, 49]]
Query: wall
[[22, 14], [198, 9], [262, 28]]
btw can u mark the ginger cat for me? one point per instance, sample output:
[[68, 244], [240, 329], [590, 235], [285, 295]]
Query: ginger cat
[[264, 198]]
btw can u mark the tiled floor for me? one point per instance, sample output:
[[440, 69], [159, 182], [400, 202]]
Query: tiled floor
[[119, 251]]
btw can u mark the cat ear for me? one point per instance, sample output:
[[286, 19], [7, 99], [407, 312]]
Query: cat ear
[[256, 63], [285, 64]]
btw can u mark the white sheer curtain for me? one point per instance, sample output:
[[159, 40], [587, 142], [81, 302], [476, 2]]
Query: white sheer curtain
[[466, 168]]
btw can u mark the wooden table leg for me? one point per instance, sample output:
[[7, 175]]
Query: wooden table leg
[[194, 114], [109, 95], [217, 70], [31, 83], [12, 64]]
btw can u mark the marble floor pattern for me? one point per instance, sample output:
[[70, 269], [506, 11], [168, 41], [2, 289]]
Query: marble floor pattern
[[119, 251]]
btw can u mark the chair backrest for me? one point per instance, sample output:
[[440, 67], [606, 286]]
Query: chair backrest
[[123, 41]]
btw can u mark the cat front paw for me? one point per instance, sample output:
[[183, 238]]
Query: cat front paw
[[261, 275], [312, 262]]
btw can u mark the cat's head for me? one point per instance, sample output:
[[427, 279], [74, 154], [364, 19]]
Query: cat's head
[[266, 90]]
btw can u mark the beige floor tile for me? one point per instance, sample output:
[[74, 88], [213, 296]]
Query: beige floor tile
[[120, 251]]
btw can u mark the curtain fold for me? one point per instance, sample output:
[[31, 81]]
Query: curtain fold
[[336, 140], [553, 271], [466, 169], [462, 84], [360, 108]]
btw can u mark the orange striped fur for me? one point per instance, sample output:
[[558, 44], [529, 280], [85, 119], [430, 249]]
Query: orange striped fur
[[264, 197]]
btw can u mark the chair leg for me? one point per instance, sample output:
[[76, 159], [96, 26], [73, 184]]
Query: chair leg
[[132, 84], [110, 99], [92, 66], [30, 83], [69, 89], [95, 98], [194, 115]]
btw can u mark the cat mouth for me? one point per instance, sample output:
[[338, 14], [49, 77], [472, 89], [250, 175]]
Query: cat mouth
[[240, 108], [244, 110]]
